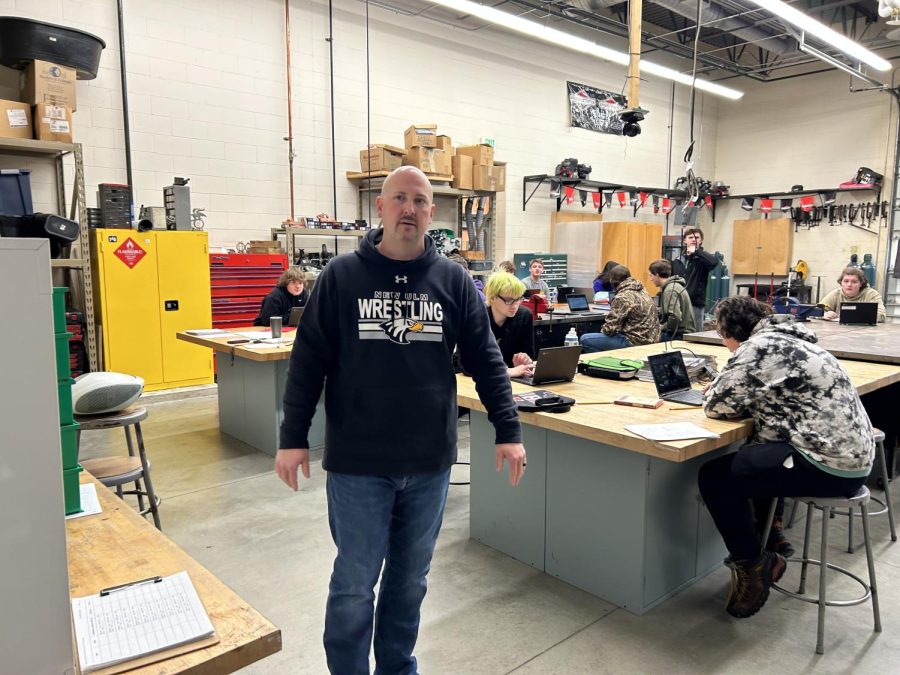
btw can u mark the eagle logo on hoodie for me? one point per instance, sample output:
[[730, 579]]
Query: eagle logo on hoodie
[[398, 328]]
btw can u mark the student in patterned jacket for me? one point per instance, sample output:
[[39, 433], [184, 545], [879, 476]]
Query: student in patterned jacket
[[632, 318], [788, 385]]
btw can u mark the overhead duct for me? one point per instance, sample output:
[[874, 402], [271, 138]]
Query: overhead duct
[[711, 13], [716, 14]]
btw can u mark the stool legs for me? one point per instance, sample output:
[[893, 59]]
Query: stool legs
[[808, 532], [770, 519], [879, 448], [870, 560], [823, 569], [148, 483], [138, 489]]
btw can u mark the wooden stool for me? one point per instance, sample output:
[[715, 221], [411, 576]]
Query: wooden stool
[[118, 471], [870, 592]]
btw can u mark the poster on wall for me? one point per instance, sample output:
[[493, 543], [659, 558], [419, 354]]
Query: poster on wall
[[595, 109]]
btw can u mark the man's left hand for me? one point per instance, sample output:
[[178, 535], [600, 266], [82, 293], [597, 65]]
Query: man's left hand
[[514, 453]]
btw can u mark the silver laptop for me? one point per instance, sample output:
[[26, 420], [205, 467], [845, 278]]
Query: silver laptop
[[554, 364], [671, 378]]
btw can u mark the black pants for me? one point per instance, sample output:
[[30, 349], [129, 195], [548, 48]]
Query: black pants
[[882, 408], [740, 485]]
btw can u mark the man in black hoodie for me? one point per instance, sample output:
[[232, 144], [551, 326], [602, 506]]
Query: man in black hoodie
[[379, 333], [695, 265]]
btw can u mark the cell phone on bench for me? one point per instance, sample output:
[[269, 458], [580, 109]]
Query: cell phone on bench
[[239, 341]]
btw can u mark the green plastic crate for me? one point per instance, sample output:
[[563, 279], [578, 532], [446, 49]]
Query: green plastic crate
[[63, 369], [68, 435], [64, 394], [59, 309], [71, 490]]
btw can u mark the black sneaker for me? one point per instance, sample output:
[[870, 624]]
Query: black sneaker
[[750, 583], [777, 542]]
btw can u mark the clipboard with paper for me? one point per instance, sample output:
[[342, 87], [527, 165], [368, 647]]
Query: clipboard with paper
[[138, 623]]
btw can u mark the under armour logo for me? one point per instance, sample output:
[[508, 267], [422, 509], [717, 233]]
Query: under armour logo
[[400, 280]]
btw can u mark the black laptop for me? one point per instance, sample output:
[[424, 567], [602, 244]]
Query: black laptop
[[671, 378], [554, 364], [858, 313], [563, 292], [578, 304], [294, 318]]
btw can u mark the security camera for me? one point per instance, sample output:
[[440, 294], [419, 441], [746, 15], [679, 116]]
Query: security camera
[[631, 117]]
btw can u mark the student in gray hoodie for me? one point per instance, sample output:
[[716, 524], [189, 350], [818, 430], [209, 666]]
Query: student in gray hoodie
[[676, 316]]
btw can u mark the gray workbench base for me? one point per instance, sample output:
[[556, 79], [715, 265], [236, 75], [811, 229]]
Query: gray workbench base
[[250, 402], [626, 527]]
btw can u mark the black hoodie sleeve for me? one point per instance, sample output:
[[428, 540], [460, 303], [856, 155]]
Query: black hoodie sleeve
[[707, 260], [312, 357], [273, 305], [481, 357]]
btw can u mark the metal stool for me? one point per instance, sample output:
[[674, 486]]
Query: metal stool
[[885, 504], [117, 471], [861, 501]]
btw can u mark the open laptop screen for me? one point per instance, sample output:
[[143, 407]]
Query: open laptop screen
[[577, 302], [669, 372], [864, 313]]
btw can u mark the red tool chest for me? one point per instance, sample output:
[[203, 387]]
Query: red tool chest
[[239, 282]]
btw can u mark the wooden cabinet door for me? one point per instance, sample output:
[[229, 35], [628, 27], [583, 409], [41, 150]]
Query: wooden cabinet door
[[775, 239], [745, 251]]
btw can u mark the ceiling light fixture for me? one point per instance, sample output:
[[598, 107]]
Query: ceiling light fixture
[[809, 25], [575, 43]]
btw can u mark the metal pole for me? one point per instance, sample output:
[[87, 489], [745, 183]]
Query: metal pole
[[290, 136], [330, 41], [125, 115]]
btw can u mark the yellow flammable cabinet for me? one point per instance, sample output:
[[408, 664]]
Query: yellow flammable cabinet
[[149, 286]]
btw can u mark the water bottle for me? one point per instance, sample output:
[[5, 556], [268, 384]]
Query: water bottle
[[571, 338], [553, 295]]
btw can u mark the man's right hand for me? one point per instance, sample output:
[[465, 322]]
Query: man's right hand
[[287, 462], [830, 316], [691, 248]]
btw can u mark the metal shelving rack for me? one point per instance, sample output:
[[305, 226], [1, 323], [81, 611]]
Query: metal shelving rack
[[367, 186], [81, 250], [291, 233]]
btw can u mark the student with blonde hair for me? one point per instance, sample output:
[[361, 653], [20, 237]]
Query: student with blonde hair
[[511, 323]]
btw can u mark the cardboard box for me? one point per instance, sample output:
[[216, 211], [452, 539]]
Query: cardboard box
[[47, 82], [15, 120], [482, 155], [442, 162], [429, 160], [462, 172], [381, 158], [53, 123], [500, 176], [445, 144], [421, 136], [483, 178]]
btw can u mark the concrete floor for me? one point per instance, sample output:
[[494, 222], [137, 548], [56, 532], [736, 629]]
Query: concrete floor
[[485, 612]]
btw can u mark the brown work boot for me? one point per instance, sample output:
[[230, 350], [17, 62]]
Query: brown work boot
[[750, 583]]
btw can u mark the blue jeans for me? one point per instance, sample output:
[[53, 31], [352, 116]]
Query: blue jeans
[[392, 520], [601, 342]]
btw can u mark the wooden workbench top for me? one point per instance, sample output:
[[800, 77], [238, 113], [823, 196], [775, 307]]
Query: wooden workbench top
[[118, 545], [605, 423], [220, 344]]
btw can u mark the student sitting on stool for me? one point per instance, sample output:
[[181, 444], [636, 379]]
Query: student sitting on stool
[[787, 385], [511, 324], [289, 292], [632, 318]]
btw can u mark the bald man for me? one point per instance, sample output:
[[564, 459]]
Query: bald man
[[378, 333]]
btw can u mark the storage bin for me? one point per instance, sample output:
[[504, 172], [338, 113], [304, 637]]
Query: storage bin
[[68, 435], [15, 192], [71, 490], [63, 370], [59, 309], [64, 394]]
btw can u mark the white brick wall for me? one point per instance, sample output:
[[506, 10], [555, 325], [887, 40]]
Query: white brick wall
[[810, 131], [207, 99], [207, 94]]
